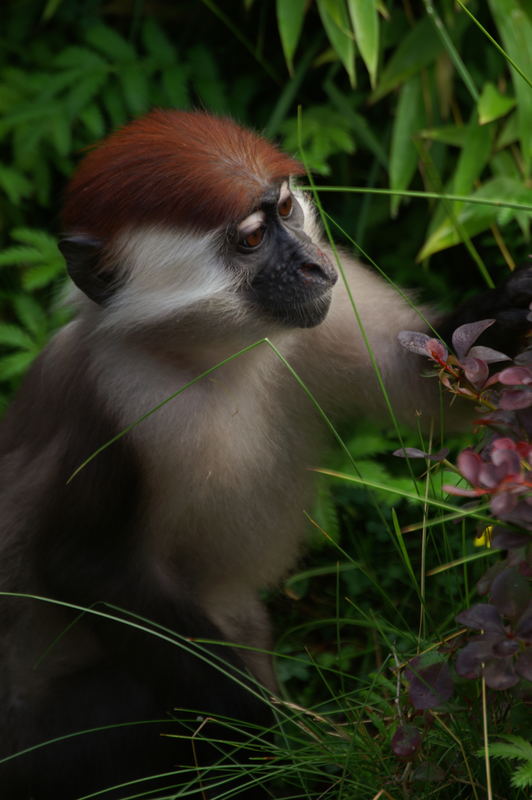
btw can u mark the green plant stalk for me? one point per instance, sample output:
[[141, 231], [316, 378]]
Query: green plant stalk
[[459, 198], [241, 38], [486, 742], [434, 178], [451, 49], [497, 46], [361, 328]]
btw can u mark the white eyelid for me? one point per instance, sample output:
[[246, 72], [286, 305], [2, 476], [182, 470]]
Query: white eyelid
[[284, 193], [251, 223]]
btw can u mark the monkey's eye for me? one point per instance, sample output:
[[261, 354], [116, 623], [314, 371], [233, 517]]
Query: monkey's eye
[[285, 207], [253, 239]]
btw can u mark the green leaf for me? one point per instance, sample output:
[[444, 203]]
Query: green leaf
[[50, 9], [41, 240], [14, 184], [515, 28], [290, 16], [18, 256], [409, 118], [114, 104], [365, 21], [509, 133], [472, 160], [135, 87], [80, 59], [60, 134], [492, 104], [512, 747], [31, 314], [324, 132], [324, 512], [206, 79], [358, 124], [41, 275], [455, 135], [14, 364], [84, 91], [110, 43], [419, 48], [157, 43], [13, 336], [336, 23], [93, 120], [522, 776], [474, 219], [174, 81]]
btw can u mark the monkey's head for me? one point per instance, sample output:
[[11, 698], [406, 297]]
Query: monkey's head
[[180, 211]]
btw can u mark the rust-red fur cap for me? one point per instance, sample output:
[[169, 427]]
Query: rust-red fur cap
[[185, 168]]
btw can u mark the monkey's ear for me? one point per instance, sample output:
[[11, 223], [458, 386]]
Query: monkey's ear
[[82, 256]]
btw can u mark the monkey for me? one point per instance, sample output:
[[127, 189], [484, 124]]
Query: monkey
[[189, 245]]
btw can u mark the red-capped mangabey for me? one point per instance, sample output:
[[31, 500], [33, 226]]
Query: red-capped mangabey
[[187, 241]]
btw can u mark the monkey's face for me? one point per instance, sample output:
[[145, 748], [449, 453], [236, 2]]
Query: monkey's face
[[288, 277]]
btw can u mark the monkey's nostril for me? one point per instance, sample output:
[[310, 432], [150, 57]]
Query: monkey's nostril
[[313, 273]]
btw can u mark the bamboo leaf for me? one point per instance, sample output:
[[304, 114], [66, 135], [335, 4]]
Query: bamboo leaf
[[336, 23], [365, 20], [492, 104], [455, 135], [515, 28], [472, 160], [409, 118], [474, 219], [419, 48], [290, 17]]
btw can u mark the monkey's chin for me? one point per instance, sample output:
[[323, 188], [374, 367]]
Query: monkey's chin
[[304, 315]]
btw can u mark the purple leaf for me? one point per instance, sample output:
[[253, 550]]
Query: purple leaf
[[465, 335], [506, 539], [470, 658], [523, 629], [506, 647], [500, 674], [423, 345], [487, 354], [430, 681], [414, 452], [520, 515], [469, 464], [510, 593], [516, 376], [484, 583], [406, 741], [515, 399], [523, 665], [414, 341], [476, 371], [503, 505], [481, 617]]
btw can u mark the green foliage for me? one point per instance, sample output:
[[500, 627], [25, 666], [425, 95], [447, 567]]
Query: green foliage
[[437, 107], [515, 747]]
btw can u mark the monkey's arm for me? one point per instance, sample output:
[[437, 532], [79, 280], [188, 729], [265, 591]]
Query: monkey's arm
[[360, 334]]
